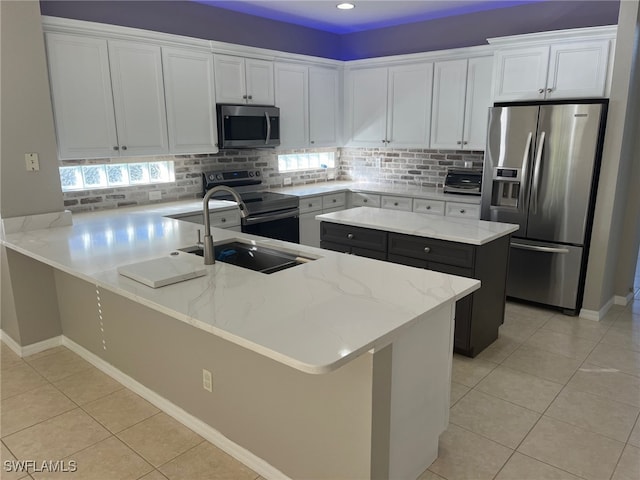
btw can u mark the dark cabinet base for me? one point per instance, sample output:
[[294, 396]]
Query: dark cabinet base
[[479, 315]]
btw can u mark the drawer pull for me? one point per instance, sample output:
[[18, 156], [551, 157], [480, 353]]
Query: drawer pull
[[334, 200], [428, 207], [427, 249], [310, 205], [365, 200], [463, 211], [350, 236], [223, 219], [395, 203]]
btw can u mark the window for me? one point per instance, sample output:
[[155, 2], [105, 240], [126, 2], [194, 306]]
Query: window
[[306, 161], [87, 177]]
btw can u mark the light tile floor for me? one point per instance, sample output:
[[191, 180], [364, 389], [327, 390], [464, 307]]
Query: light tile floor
[[555, 397]]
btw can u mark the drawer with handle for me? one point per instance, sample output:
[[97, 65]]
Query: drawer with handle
[[396, 203], [354, 236], [463, 210], [334, 200], [432, 250], [431, 207], [226, 219], [359, 199], [310, 204]]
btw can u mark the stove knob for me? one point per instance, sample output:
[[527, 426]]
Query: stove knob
[[251, 174], [257, 173], [219, 176], [212, 177]]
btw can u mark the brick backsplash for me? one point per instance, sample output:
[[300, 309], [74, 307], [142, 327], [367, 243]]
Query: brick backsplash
[[403, 166], [188, 177], [422, 167]]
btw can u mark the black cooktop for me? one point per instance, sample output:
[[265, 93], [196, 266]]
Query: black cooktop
[[248, 183]]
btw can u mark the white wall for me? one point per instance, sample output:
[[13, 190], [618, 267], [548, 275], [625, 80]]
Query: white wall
[[604, 273], [26, 119]]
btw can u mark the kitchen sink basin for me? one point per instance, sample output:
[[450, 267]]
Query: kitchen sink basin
[[254, 257]]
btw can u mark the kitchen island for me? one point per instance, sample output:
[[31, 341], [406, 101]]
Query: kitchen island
[[470, 248], [340, 358]]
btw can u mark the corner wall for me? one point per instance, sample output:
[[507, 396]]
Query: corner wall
[[26, 124], [614, 189]]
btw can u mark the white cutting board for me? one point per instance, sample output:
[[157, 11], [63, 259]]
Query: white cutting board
[[164, 270]]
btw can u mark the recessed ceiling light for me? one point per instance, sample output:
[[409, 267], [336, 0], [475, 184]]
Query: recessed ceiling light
[[345, 6]]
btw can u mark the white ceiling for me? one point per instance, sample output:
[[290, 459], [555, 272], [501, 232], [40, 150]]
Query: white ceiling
[[368, 14]]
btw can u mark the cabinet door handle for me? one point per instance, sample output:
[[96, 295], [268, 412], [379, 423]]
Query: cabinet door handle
[[116, 148], [312, 142], [427, 249], [549, 90], [124, 147], [250, 97], [464, 142], [459, 142], [541, 90], [244, 96], [350, 236]]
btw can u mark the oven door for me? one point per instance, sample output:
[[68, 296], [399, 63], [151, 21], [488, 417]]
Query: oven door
[[282, 225]]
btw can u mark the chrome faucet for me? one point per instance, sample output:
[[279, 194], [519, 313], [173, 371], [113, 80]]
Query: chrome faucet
[[208, 253]]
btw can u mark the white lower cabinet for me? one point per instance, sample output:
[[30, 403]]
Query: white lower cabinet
[[312, 206], [404, 204], [429, 207], [361, 199], [462, 210], [227, 219]]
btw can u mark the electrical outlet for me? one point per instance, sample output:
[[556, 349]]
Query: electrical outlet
[[155, 195], [207, 382], [331, 176], [32, 161], [287, 181]]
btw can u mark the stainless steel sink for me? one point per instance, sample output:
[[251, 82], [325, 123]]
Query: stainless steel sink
[[254, 257]]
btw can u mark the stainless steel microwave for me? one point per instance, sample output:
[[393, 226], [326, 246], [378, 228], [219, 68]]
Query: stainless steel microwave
[[248, 126]]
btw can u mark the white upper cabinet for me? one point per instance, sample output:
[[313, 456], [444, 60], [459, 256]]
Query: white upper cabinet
[[553, 71], [292, 97], [191, 104], [138, 98], [367, 107], [461, 99], [477, 103], [308, 102], [389, 106], [81, 95], [243, 80], [324, 92], [108, 97], [409, 105]]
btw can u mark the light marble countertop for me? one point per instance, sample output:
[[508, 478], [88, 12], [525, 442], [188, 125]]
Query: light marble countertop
[[453, 229], [377, 188], [313, 317]]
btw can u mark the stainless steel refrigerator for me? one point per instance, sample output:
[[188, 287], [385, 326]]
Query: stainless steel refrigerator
[[540, 171]]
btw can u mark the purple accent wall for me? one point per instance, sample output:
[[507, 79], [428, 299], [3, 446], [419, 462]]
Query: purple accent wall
[[201, 21], [474, 28]]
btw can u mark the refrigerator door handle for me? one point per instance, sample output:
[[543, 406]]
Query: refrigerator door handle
[[534, 248], [536, 174], [525, 165]]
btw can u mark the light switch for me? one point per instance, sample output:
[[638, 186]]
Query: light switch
[[33, 164]]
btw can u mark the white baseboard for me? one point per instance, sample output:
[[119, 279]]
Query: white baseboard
[[624, 301], [30, 349], [206, 431], [11, 343], [597, 315]]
